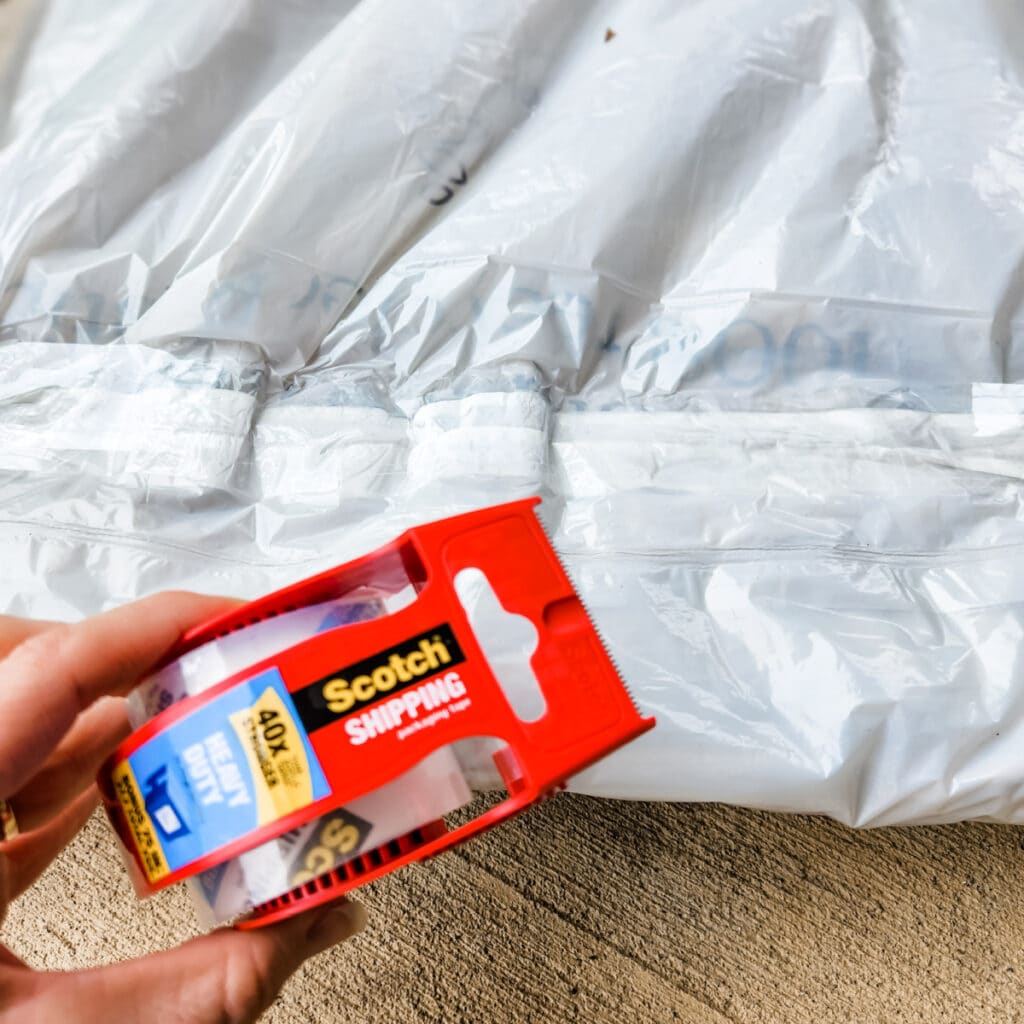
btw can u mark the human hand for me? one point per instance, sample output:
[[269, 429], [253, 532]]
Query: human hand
[[61, 714]]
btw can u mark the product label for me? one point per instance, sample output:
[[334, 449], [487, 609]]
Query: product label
[[374, 687], [241, 761], [278, 758], [336, 837], [142, 827]]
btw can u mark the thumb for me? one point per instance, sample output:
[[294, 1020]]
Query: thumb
[[226, 977]]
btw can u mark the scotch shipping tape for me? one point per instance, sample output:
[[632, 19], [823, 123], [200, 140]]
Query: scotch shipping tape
[[433, 788]]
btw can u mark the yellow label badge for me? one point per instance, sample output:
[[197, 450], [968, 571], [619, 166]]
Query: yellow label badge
[[154, 864], [276, 755]]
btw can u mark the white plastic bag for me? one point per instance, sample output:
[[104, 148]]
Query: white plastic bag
[[277, 281]]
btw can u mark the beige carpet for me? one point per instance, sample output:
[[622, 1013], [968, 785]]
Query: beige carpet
[[599, 911]]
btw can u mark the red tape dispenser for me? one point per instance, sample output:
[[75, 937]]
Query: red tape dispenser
[[318, 766]]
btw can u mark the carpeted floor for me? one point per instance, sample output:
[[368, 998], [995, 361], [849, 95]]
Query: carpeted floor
[[601, 911]]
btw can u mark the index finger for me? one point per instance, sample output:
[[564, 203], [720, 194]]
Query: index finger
[[15, 630], [55, 674]]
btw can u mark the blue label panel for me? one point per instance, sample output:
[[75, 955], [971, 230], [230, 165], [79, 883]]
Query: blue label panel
[[237, 763]]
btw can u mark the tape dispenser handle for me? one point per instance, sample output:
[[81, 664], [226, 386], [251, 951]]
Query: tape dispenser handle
[[583, 692]]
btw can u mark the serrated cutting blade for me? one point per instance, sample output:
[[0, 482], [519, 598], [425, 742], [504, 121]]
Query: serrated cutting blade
[[560, 556]]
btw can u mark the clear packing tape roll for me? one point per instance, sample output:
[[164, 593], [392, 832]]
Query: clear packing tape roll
[[316, 739], [436, 786]]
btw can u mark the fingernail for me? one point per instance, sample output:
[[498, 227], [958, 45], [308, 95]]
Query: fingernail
[[336, 924]]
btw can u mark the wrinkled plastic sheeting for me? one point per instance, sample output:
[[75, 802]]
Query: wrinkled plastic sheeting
[[736, 287]]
